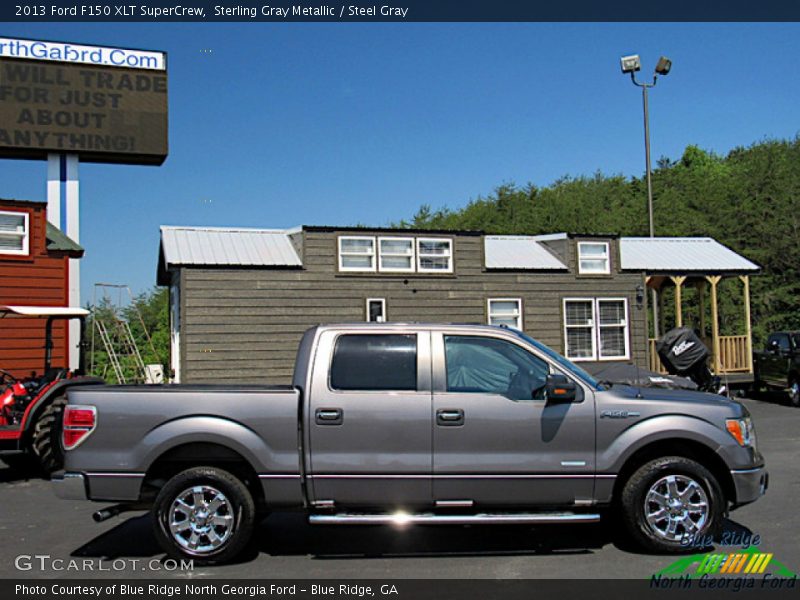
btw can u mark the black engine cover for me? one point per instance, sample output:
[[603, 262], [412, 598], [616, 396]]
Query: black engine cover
[[681, 351]]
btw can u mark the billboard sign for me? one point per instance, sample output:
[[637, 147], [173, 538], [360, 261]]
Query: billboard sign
[[103, 104]]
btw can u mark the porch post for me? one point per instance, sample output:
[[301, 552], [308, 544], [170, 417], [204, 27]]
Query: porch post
[[714, 280], [748, 326], [701, 299], [678, 281], [662, 318]]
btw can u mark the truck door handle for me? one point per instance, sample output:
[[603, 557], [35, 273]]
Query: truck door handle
[[328, 416], [450, 417]]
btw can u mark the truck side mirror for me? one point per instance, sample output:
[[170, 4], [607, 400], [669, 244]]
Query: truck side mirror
[[773, 347], [559, 389]]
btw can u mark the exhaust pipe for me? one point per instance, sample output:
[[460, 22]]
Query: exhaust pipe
[[104, 514]]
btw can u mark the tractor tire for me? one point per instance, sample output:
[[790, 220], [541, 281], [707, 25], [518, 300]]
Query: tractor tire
[[46, 439]]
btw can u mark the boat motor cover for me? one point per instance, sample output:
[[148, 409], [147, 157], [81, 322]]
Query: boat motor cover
[[680, 350]]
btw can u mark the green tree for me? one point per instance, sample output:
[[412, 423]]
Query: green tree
[[147, 316], [748, 200]]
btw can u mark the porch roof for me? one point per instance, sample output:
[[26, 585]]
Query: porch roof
[[681, 255]]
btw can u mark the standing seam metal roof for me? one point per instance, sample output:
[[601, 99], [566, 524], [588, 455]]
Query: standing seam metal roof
[[519, 252], [228, 246], [678, 254]]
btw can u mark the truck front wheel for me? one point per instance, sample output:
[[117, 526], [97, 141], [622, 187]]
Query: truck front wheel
[[204, 514], [671, 504]]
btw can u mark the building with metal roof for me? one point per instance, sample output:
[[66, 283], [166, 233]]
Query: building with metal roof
[[241, 297]]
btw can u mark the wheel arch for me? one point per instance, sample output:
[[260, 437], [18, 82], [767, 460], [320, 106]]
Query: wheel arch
[[42, 402], [187, 455], [676, 446]]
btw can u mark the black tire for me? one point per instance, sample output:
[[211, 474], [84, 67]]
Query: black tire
[[794, 393], [755, 387], [656, 475], [240, 508], [46, 438]]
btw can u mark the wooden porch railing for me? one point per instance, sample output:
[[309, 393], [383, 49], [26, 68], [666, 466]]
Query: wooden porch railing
[[732, 354]]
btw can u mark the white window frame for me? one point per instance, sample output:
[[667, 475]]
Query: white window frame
[[412, 256], [25, 234], [595, 327], [593, 335], [607, 270], [625, 328], [373, 255], [518, 315], [383, 309], [449, 255]]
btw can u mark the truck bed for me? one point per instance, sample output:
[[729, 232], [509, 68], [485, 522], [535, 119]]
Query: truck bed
[[137, 425]]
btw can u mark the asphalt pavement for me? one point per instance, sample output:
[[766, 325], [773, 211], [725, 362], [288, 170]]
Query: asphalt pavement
[[44, 537]]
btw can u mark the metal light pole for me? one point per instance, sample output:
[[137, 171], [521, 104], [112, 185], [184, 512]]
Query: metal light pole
[[631, 64]]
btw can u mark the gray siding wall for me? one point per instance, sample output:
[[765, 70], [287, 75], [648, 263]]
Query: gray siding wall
[[244, 325]]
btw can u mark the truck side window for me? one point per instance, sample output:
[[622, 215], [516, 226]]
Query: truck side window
[[485, 365], [373, 362], [782, 340]]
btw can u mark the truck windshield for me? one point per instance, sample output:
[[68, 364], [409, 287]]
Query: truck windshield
[[563, 362]]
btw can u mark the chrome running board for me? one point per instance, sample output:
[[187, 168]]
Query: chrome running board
[[542, 518]]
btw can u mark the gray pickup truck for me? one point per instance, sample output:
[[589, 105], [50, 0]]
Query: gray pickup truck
[[412, 424]]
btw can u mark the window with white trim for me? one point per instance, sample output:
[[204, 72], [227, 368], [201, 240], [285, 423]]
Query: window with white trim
[[396, 254], [612, 328], [593, 258], [505, 311], [596, 329], [14, 233], [434, 255], [356, 253], [376, 310]]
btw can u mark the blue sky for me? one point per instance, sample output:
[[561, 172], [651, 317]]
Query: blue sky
[[288, 124]]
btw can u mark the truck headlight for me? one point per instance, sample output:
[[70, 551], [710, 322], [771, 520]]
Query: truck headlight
[[742, 430]]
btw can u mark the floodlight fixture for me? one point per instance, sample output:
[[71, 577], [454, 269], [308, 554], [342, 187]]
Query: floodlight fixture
[[630, 63], [663, 66]]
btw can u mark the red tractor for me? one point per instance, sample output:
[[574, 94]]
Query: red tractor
[[30, 408]]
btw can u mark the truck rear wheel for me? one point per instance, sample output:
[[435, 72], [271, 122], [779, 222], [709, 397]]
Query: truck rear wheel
[[794, 393], [46, 439], [670, 504], [205, 514]]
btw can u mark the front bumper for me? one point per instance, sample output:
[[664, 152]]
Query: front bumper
[[749, 484], [69, 486]]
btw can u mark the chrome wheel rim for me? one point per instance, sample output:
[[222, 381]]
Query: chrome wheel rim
[[794, 393], [676, 506], [201, 519]]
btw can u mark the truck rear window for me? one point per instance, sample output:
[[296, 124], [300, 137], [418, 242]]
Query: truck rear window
[[375, 362]]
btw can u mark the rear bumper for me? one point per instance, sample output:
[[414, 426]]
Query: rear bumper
[[749, 484], [69, 486]]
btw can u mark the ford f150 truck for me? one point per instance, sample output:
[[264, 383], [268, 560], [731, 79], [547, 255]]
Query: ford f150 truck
[[412, 424], [778, 366]]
